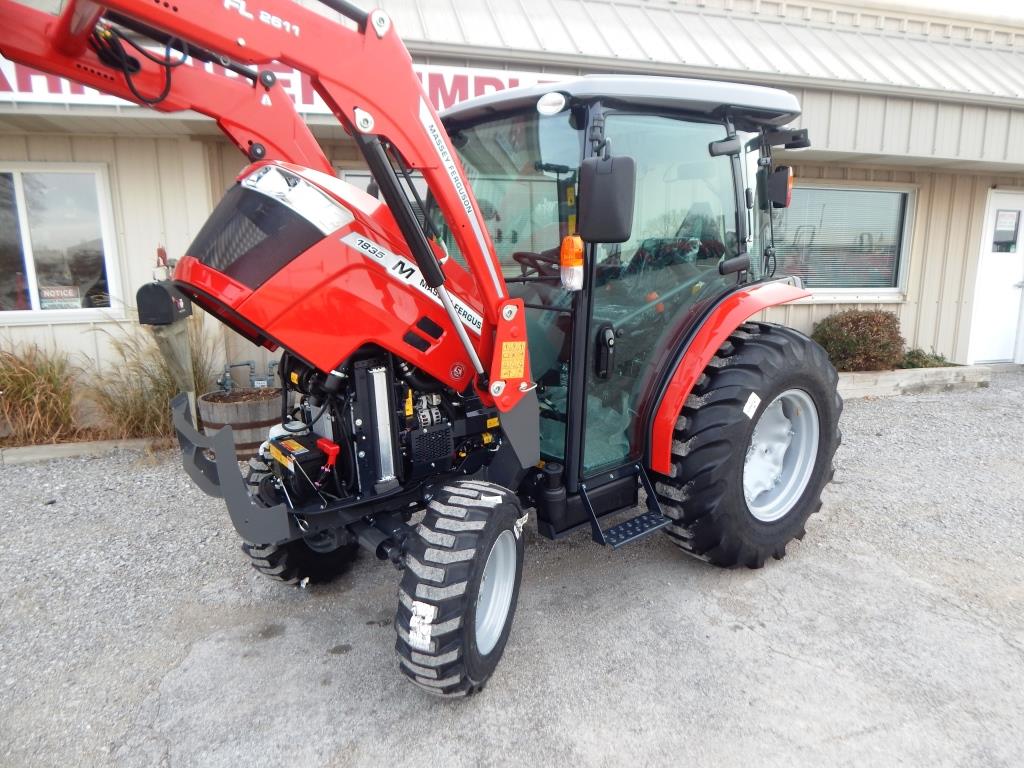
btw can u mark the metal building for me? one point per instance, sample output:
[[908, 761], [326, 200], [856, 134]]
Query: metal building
[[910, 199]]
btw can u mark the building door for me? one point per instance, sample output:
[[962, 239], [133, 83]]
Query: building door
[[996, 332]]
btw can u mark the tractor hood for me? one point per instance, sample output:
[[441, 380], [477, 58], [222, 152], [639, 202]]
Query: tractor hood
[[298, 259]]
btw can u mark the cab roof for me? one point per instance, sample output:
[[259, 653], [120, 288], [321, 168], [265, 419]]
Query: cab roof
[[752, 105]]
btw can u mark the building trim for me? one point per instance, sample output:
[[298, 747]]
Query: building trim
[[583, 64]]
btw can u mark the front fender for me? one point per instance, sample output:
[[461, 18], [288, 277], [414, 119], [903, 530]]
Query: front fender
[[734, 310]]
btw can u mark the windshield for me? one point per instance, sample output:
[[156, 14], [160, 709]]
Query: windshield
[[522, 169]]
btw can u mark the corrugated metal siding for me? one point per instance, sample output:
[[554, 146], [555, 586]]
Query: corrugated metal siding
[[886, 51], [935, 313], [160, 196], [939, 132]]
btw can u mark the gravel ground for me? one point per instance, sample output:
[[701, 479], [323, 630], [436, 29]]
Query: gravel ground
[[133, 633]]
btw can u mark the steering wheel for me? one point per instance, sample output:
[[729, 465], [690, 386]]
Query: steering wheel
[[543, 264]]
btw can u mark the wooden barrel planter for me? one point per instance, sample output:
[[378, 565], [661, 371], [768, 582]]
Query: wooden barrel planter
[[249, 413]]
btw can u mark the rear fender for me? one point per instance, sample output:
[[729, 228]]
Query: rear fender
[[734, 310]]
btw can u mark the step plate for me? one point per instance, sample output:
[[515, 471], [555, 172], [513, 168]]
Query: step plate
[[635, 528]]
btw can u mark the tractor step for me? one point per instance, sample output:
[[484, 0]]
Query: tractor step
[[636, 527]]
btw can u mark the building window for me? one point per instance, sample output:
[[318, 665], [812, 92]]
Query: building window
[[840, 237], [55, 249]]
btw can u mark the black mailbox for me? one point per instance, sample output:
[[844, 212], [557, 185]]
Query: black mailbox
[[162, 304]]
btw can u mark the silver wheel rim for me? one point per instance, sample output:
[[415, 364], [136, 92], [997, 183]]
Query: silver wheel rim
[[781, 455], [495, 596]]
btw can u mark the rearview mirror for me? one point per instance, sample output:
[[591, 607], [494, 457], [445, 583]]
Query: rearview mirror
[[607, 193], [730, 146]]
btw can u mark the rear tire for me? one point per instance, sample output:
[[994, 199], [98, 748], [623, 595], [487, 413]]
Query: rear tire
[[296, 563], [715, 517], [458, 594]]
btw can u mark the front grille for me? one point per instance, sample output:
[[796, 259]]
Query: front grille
[[251, 236], [238, 237]]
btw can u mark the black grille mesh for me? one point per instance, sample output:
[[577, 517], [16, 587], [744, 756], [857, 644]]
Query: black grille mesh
[[432, 444], [251, 236], [238, 237]]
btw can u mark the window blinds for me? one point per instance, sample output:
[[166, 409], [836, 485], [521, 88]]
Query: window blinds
[[842, 238]]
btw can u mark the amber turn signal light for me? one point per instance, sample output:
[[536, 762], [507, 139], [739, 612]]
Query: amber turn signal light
[[572, 251], [571, 263]]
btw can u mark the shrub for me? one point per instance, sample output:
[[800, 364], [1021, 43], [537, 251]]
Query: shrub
[[918, 358], [134, 392], [858, 340], [37, 403]]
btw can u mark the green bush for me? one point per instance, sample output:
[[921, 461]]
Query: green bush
[[861, 340], [918, 358], [37, 403]]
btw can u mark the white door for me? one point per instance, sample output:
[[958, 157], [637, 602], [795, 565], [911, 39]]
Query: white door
[[996, 333]]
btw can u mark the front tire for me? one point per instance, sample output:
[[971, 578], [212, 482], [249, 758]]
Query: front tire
[[459, 591], [753, 448], [296, 563]]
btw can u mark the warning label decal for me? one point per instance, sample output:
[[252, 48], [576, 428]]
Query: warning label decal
[[513, 359]]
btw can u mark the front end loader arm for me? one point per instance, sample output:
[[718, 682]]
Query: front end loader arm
[[255, 113], [364, 74]]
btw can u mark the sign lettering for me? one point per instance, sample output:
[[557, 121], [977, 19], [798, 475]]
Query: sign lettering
[[445, 86]]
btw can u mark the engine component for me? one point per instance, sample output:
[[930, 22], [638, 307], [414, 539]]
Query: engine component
[[427, 411], [431, 446], [300, 465], [300, 377]]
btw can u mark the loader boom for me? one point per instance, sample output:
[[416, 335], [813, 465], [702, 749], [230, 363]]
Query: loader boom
[[364, 74]]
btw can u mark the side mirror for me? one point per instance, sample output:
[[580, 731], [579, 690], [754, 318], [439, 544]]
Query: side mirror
[[779, 187], [607, 194]]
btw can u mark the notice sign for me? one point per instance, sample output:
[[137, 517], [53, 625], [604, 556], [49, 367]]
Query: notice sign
[[59, 297], [1007, 224]]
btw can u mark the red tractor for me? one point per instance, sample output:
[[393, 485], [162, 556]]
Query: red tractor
[[551, 307]]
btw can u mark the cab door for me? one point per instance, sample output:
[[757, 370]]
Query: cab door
[[645, 293]]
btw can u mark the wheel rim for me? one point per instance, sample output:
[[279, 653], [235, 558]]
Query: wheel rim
[[495, 596], [781, 455]]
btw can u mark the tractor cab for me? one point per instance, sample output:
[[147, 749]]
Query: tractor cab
[[607, 315]]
